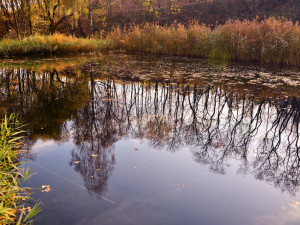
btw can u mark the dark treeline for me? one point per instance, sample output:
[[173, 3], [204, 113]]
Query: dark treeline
[[216, 123]]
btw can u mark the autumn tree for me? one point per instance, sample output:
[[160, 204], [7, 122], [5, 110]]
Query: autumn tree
[[55, 12], [17, 14]]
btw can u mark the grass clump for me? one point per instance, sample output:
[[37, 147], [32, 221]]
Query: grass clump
[[267, 41], [13, 197], [56, 43]]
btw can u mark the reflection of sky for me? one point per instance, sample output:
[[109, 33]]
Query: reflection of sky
[[153, 186], [289, 213], [42, 145]]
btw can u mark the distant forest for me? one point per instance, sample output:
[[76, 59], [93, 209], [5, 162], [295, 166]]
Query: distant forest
[[21, 18]]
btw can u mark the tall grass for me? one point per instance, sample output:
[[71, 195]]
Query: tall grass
[[13, 196], [267, 41], [57, 43]]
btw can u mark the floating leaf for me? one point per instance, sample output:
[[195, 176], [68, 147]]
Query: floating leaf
[[179, 184], [46, 188], [94, 155]]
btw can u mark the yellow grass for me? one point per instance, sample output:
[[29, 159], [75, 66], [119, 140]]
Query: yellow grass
[[268, 41], [57, 43]]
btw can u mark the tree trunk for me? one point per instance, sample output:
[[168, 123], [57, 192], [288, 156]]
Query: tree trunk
[[51, 27], [29, 16], [15, 19], [90, 20]]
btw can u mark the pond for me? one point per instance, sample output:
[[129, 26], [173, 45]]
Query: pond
[[139, 139]]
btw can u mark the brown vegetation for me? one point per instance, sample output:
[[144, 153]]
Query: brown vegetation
[[267, 41]]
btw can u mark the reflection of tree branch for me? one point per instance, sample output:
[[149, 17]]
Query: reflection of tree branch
[[216, 124]]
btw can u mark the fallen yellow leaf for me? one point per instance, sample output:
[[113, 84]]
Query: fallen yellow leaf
[[179, 184], [46, 188]]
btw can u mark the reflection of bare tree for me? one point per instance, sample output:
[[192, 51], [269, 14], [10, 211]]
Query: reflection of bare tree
[[216, 123], [95, 133], [278, 158]]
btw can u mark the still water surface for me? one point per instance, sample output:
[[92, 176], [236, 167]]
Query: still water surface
[[131, 139]]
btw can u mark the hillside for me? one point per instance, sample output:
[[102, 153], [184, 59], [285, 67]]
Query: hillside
[[211, 11], [107, 14]]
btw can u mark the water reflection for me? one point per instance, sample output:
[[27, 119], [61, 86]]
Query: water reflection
[[95, 132], [46, 100], [95, 106], [216, 124]]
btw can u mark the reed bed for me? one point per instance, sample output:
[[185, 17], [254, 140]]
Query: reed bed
[[57, 43], [13, 197], [268, 41]]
